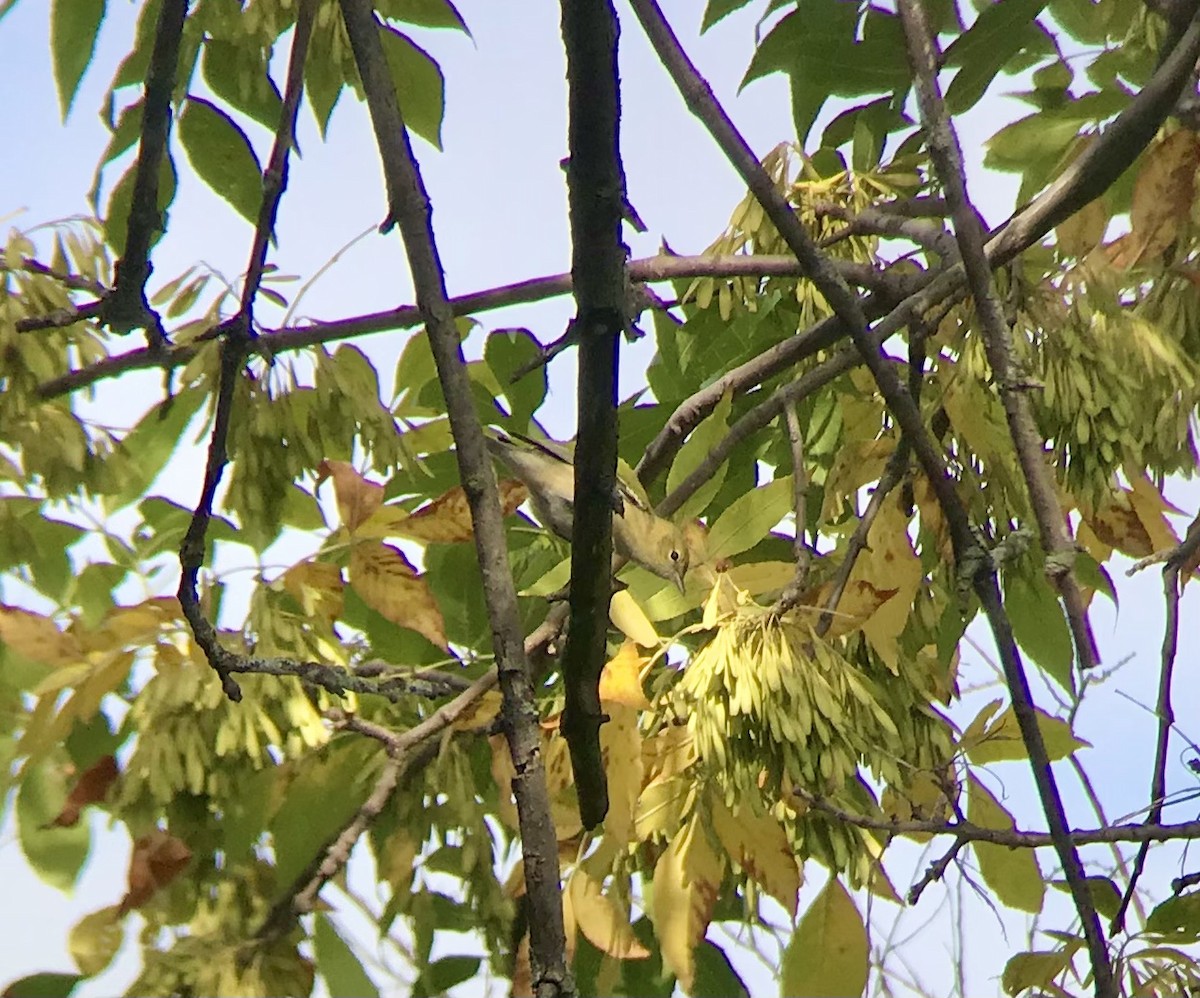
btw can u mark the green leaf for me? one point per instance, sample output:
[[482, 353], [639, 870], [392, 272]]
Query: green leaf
[[694, 451], [240, 76], [827, 955], [74, 25], [1012, 874], [1033, 970], [56, 854], [342, 970], [715, 976], [150, 444], [1000, 32], [321, 798], [420, 87], [116, 221], [1177, 914], [508, 351], [715, 10], [444, 974], [95, 939], [426, 13], [1039, 624], [222, 156], [44, 985], [1104, 893], [750, 518], [827, 51]]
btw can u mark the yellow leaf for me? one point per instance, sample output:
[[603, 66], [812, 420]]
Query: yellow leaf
[[827, 956], [317, 587], [621, 745], [631, 620], [602, 920], [479, 713], [389, 584], [1012, 874], [889, 563], [447, 519], [357, 498], [759, 845], [621, 682], [1078, 235], [1002, 741], [37, 638], [1150, 507], [1163, 193], [687, 878], [1118, 525]]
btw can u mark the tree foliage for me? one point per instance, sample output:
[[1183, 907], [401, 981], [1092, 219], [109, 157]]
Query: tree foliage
[[874, 421]]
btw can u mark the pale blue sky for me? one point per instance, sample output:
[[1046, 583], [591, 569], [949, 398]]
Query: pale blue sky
[[499, 214]]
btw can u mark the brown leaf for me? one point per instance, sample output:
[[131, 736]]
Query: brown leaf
[[91, 788], [390, 585], [357, 498], [157, 859]]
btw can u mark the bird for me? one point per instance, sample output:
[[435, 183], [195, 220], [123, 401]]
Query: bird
[[656, 544]]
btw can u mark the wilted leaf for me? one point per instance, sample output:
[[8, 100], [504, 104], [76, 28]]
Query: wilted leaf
[[157, 859], [827, 954], [390, 585], [91, 788], [1002, 742], [1033, 970]]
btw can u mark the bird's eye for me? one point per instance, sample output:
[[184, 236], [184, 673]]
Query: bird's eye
[[674, 555]]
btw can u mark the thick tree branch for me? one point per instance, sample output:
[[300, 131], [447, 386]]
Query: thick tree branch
[[596, 185], [409, 208]]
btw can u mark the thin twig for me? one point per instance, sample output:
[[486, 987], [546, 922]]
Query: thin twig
[[656, 269], [1166, 718]]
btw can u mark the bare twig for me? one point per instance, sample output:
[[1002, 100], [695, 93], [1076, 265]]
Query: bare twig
[[127, 308], [1166, 718], [409, 208]]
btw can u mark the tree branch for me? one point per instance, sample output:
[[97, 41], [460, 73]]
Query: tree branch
[[595, 183], [924, 58], [409, 208]]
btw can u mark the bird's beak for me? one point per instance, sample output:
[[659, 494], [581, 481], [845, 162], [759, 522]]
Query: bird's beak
[[678, 579]]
